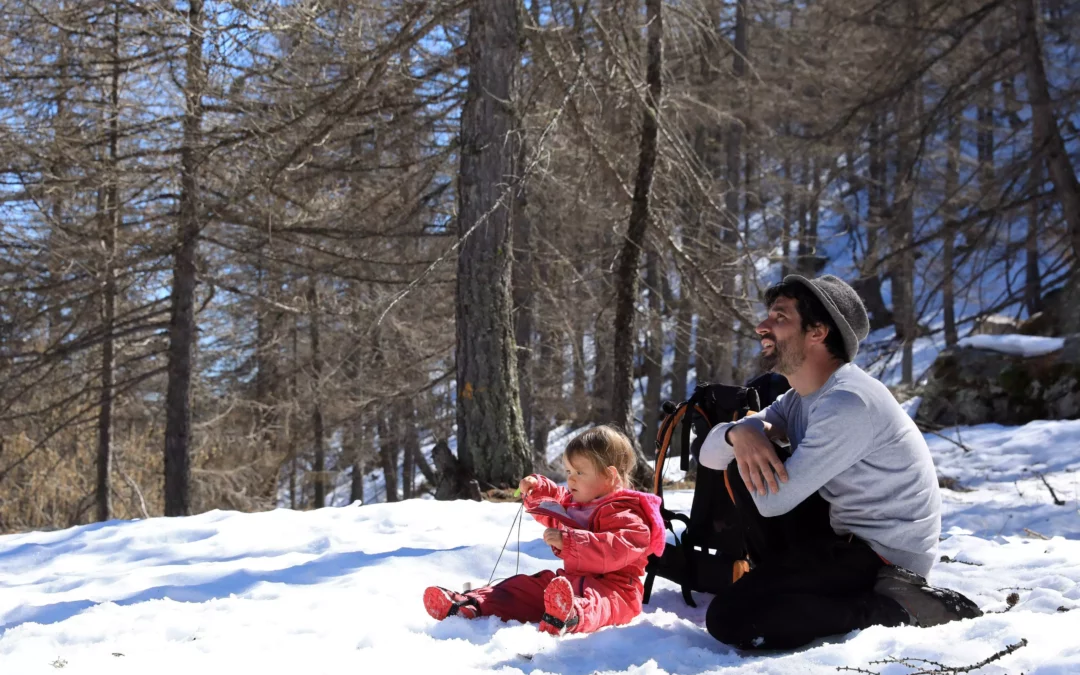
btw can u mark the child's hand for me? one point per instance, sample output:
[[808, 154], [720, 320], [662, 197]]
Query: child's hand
[[527, 485], [553, 537]]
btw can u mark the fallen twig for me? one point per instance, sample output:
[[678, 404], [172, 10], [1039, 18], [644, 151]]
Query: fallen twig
[[954, 441], [1037, 535], [1053, 494], [947, 559], [916, 664]]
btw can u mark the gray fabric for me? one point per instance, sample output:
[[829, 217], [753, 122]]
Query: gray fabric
[[855, 445], [844, 306]]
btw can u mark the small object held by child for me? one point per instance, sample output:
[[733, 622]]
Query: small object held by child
[[603, 531]]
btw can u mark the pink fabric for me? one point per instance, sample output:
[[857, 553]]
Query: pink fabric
[[581, 513], [606, 560], [521, 598]]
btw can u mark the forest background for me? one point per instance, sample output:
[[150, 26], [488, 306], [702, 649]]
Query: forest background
[[252, 251]]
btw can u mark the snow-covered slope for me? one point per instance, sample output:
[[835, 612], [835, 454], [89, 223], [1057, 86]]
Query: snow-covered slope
[[338, 590]]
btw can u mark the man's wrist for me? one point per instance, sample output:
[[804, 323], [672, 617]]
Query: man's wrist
[[727, 435]]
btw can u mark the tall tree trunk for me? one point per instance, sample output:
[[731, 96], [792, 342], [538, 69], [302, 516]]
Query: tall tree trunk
[[684, 324], [357, 441], [948, 233], [523, 295], [903, 226], [389, 443], [722, 335], [410, 438], [984, 142], [654, 356], [490, 436], [626, 278], [1051, 147], [1032, 276], [319, 435], [290, 424], [603, 369], [788, 216], [548, 384], [869, 283], [182, 320], [110, 227], [578, 399]]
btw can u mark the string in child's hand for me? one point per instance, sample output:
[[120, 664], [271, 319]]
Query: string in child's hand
[[517, 519]]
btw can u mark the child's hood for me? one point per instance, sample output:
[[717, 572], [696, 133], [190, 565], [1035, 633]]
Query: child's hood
[[648, 507]]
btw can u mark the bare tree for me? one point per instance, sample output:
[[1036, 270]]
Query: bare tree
[[626, 278], [490, 435]]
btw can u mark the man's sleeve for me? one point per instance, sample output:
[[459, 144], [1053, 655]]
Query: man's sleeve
[[840, 433], [717, 453]]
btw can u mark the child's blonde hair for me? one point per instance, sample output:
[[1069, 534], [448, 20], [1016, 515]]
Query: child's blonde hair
[[604, 446]]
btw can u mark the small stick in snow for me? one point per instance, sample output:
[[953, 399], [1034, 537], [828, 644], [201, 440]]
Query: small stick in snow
[[954, 441], [938, 668], [1057, 502], [1037, 535], [947, 559]]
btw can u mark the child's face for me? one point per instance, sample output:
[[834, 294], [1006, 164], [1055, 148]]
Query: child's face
[[585, 482]]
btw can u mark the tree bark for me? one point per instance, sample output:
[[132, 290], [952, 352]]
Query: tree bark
[[903, 225], [110, 227], [523, 295], [654, 356], [357, 440], [1051, 148], [579, 406], [868, 285], [490, 436], [389, 443], [1032, 276], [626, 278], [684, 320], [291, 438], [182, 320], [952, 184], [318, 433], [410, 438]]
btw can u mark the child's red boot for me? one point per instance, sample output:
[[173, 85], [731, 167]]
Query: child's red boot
[[441, 603], [559, 613]]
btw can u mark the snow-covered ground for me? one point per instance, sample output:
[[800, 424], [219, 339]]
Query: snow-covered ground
[[338, 590], [1017, 345]]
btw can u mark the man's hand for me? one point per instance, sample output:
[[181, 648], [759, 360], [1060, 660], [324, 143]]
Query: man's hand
[[553, 537], [758, 462], [527, 485]]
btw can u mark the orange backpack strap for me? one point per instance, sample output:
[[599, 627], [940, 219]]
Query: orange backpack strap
[[663, 444]]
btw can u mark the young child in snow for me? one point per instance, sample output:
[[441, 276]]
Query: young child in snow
[[603, 557]]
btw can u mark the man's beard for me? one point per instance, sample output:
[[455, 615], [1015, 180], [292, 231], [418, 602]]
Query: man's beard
[[786, 357]]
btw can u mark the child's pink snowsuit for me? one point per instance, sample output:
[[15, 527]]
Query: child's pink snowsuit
[[604, 563]]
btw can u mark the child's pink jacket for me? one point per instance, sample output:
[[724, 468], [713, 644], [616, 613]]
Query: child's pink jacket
[[609, 556]]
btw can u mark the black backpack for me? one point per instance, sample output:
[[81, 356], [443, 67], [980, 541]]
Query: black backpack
[[711, 553]]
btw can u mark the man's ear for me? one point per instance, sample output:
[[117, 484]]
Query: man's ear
[[818, 333]]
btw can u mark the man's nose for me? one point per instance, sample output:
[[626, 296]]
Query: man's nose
[[763, 327]]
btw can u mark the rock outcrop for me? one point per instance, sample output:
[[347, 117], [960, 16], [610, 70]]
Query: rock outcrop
[[978, 385]]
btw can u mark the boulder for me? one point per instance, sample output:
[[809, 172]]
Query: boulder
[[1048, 320], [996, 324], [976, 385]]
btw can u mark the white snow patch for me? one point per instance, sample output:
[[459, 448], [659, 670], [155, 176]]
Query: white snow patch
[[1014, 344], [339, 589]]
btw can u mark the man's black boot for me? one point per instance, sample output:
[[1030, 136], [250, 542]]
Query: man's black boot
[[926, 605]]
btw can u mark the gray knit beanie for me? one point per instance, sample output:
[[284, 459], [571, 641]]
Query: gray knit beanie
[[844, 306]]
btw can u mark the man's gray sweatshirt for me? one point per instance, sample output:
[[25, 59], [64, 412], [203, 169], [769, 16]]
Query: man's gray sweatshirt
[[853, 443]]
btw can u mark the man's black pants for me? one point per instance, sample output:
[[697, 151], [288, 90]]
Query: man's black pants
[[807, 581]]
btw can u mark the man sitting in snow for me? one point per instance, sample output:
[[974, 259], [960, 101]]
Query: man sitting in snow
[[855, 455]]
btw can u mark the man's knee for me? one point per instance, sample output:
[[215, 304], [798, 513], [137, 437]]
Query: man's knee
[[727, 620]]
